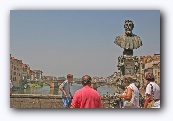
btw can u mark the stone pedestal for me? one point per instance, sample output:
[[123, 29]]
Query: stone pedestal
[[128, 65]]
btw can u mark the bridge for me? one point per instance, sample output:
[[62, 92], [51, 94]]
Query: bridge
[[51, 83], [56, 83], [95, 85]]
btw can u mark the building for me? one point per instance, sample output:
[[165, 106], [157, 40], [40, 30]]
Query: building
[[36, 74], [24, 75], [156, 72], [25, 72], [95, 79], [28, 72], [149, 64], [32, 75], [15, 71]]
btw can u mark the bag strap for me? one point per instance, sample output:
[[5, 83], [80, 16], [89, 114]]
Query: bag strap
[[152, 92]]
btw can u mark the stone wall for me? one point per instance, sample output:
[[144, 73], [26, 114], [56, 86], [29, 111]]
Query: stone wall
[[35, 101], [42, 101]]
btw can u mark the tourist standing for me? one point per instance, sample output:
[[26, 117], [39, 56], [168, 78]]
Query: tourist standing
[[131, 94], [152, 93], [86, 97], [66, 93]]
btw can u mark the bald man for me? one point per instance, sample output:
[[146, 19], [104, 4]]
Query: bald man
[[86, 97]]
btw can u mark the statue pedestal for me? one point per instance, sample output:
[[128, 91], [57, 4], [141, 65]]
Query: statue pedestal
[[128, 65]]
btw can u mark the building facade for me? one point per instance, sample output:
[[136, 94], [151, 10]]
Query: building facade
[[15, 71], [36, 74], [149, 64]]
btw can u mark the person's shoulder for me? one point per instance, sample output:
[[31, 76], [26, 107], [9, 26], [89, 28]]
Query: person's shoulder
[[78, 91], [131, 86], [148, 85], [152, 83], [94, 91], [155, 84], [65, 81]]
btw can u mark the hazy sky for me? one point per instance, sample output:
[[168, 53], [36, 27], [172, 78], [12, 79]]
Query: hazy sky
[[78, 42]]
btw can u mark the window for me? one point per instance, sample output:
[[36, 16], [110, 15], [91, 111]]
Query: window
[[14, 73], [155, 71], [158, 73], [24, 69], [13, 79]]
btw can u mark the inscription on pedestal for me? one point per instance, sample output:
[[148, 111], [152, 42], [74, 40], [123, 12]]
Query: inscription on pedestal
[[129, 67]]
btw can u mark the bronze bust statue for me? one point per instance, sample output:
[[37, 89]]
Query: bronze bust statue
[[128, 41]]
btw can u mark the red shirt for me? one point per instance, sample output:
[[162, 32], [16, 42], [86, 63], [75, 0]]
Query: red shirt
[[86, 97]]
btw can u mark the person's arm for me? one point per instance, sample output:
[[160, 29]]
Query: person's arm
[[63, 91], [128, 94], [61, 88], [71, 94], [148, 96]]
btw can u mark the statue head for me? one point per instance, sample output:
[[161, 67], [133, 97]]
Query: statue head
[[128, 27]]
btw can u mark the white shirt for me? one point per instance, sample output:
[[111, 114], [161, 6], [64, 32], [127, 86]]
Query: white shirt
[[136, 92], [156, 90]]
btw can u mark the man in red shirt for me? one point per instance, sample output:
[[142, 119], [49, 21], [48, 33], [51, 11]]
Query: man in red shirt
[[86, 97]]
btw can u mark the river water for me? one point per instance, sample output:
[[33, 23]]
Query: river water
[[46, 90]]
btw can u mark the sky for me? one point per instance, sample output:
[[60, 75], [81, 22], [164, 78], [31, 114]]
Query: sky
[[79, 42]]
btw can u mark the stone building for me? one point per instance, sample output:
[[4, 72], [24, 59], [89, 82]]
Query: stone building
[[149, 64], [32, 75], [156, 72], [20, 73], [25, 72], [36, 74], [15, 71]]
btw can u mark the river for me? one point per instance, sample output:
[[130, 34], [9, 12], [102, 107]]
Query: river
[[46, 90]]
